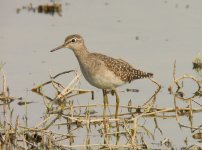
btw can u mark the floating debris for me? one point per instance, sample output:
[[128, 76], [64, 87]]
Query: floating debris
[[119, 21], [106, 3], [137, 38], [198, 93], [33, 138], [90, 112], [50, 9], [187, 6], [180, 94], [166, 142], [197, 64], [132, 90], [24, 103], [197, 136]]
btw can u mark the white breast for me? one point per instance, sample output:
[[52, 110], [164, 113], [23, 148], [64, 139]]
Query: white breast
[[100, 77]]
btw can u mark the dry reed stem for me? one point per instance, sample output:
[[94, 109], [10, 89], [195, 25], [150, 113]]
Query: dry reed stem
[[43, 122], [68, 113], [153, 97], [112, 146], [66, 92], [70, 87], [177, 97], [176, 82]]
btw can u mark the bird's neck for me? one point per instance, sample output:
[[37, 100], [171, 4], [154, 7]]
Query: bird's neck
[[81, 52]]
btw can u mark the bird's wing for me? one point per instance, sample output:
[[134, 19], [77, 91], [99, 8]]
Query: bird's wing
[[121, 68]]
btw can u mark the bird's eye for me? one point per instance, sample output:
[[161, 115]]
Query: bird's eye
[[73, 40]]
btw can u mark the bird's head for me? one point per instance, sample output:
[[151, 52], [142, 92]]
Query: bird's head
[[72, 42]]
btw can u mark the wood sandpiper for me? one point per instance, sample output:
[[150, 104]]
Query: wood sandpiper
[[99, 70]]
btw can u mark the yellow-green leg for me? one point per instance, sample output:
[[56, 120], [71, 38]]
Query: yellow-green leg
[[117, 97], [104, 114], [116, 115], [105, 97]]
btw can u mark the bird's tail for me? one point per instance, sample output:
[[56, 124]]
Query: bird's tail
[[138, 74]]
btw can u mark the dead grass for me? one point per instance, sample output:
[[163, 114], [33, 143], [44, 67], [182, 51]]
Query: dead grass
[[123, 131]]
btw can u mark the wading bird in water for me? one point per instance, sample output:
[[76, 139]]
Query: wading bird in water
[[102, 71]]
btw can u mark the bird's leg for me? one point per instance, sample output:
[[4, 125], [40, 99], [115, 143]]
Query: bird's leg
[[116, 115], [104, 112], [117, 97], [105, 97], [117, 103]]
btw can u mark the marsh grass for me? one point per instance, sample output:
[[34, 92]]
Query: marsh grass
[[123, 131]]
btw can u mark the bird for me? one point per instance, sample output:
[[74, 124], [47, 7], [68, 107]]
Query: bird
[[102, 71]]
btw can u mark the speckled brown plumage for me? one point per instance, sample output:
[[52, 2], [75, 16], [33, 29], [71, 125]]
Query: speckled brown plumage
[[122, 69], [99, 70]]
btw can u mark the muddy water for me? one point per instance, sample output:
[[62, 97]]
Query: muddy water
[[150, 35]]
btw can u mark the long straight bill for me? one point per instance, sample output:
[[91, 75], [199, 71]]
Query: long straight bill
[[57, 48]]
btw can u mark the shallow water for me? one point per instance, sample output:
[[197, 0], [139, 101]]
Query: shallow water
[[150, 35]]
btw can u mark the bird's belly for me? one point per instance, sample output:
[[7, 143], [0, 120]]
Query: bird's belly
[[103, 79]]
